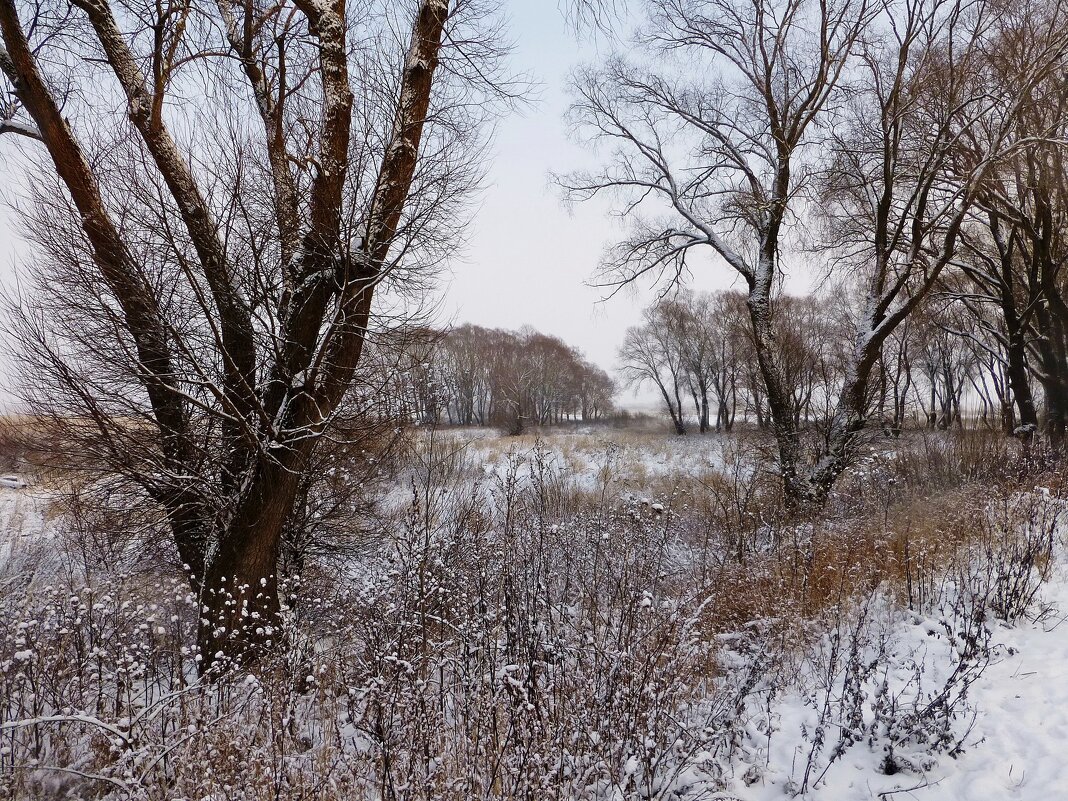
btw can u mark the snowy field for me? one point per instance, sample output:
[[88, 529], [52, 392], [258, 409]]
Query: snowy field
[[1011, 718], [635, 460], [22, 522], [887, 703]]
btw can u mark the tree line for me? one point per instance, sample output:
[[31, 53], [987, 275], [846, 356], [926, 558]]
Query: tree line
[[476, 376], [946, 368], [897, 146], [697, 351]]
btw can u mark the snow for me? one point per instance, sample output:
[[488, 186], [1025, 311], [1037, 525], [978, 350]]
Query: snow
[[22, 523], [1015, 748], [1021, 731], [19, 127], [642, 462]]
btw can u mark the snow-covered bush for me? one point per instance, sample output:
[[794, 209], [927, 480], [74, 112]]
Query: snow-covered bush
[[507, 649], [522, 654], [1015, 551]]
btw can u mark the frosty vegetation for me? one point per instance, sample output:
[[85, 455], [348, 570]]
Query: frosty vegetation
[[263, 553], [518, 636]]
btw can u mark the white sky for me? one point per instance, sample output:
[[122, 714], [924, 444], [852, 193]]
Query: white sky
[[529, 257]]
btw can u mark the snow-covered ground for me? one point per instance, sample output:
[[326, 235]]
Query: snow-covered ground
[[1022, 724], [22, 520], [637, 460], [1013, 719], [1016, 749]]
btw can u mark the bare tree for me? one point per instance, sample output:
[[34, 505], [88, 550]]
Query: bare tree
[[944, 361], [774, 67], [720, 155], [726, 316], [688, 328], [652, 353], [979, 324], [925, 132], [700, 344], [894, 381], [998, 279], [220, 196], [1015, 252]]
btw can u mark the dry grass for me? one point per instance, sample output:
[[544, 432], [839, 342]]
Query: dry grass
[[586, 619], [919, 505]]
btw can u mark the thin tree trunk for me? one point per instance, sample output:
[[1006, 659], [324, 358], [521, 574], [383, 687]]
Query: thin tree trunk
[[779, 399]]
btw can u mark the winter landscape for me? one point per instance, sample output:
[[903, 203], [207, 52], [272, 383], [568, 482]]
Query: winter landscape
[[616, 400]]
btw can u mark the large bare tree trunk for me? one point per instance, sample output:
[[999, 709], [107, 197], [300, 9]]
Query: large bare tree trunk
[[239, 596], [1054, 376], [228, 529]]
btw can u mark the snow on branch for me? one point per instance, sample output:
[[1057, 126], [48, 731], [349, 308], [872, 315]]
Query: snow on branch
[[8, 109], [21, 128]]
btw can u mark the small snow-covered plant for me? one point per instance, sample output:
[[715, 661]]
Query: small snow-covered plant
[[737, 503], [904, 700], [88, 677], [1015, 550], [843, 663], [100, 699], [920, 707], [907, 697], [933, 460]]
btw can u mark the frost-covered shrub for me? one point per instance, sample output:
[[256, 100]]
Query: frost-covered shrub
[[89, 676], [938, 460], [897, 682], [1015, 551], [518, 655], [899, 691]]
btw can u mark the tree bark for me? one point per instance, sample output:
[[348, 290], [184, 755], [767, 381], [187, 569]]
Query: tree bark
[[239, 599]]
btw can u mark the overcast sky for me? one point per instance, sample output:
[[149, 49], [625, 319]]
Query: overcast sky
[[529, 257]]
